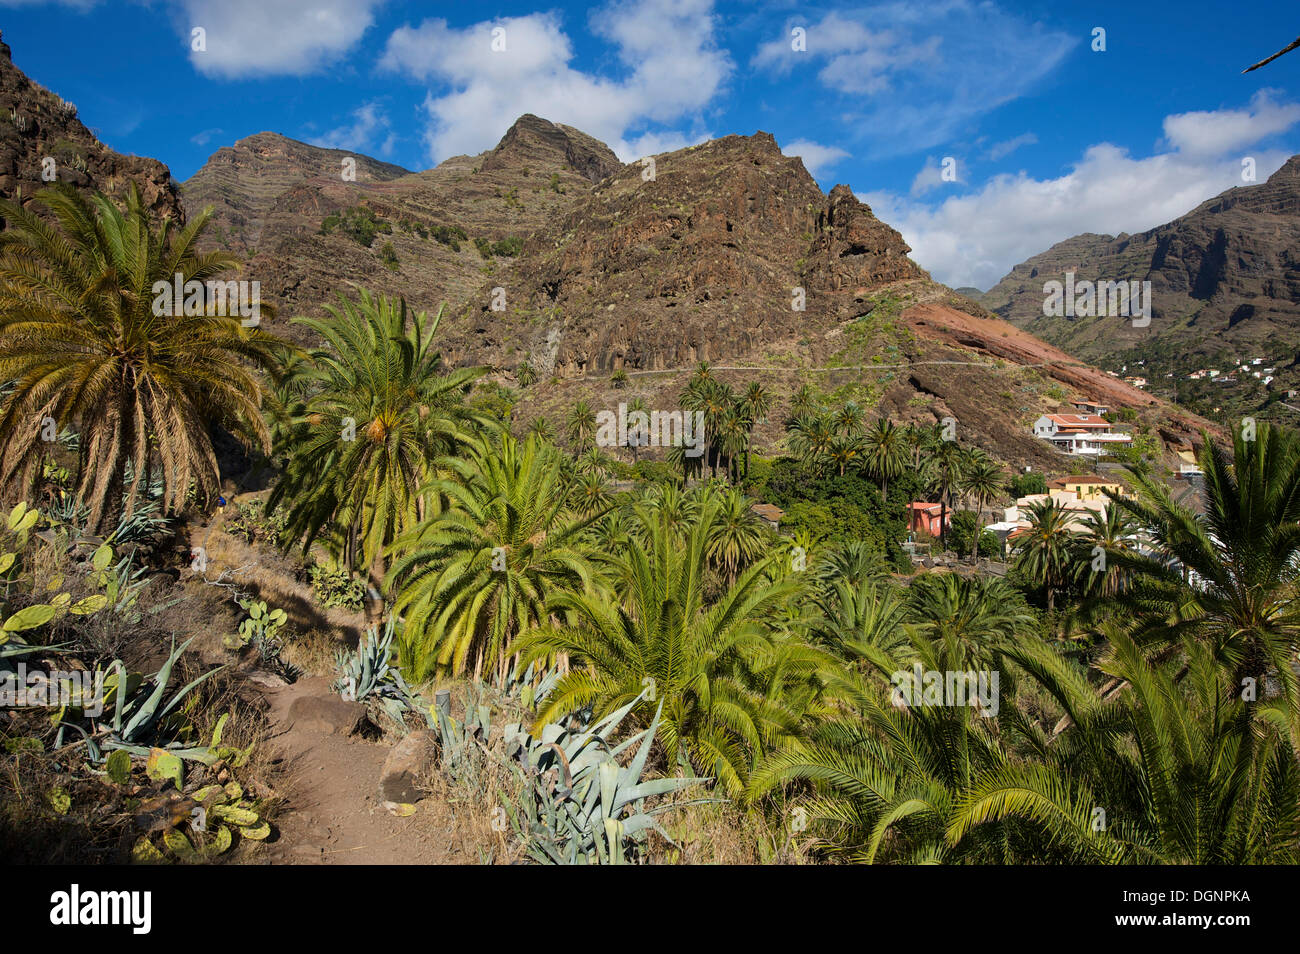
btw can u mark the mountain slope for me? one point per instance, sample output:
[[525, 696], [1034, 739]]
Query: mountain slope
[[39, 132], [706, 260], [1225, 282], [272, 195]]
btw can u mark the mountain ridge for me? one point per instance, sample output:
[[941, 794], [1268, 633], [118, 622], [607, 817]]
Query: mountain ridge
[[1225, 283]]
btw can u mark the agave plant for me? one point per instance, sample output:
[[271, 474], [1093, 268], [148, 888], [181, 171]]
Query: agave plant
[[366, 673], [140, 710], [579, 804]]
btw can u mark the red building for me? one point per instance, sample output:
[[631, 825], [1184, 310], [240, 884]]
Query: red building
[[924, 517]]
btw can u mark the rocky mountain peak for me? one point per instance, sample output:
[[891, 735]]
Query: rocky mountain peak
[[41, 135], [533, 142]]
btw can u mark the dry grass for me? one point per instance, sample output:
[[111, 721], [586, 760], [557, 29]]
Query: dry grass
[[725, 834]]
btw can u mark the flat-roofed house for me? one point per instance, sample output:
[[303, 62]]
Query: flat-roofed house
[[1091, 407], [1086, 486]]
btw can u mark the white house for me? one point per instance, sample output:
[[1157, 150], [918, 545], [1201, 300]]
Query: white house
[[1082, 435]]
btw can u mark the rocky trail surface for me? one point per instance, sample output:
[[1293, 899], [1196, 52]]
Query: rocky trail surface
[[335, 766]]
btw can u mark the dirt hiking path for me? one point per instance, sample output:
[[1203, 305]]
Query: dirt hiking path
[[334, 814], [332, 811]]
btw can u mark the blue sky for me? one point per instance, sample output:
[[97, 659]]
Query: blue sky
[[1047, 137]]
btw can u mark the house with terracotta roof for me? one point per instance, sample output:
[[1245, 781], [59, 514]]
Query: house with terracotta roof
[[925, 517], [770, 514], [1082, 435]]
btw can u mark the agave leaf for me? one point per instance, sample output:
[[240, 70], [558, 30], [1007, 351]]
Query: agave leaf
[[657, 786], [145, 714], [176, 699], [216, 732]]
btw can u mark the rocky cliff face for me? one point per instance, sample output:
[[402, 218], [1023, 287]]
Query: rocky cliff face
[[242, 182], [1225, 279], [271, 196], [728, 252], [39, 132], [705, 256]]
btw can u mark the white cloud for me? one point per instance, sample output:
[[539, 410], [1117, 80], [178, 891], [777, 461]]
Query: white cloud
[[1218, 133], [249, 39], [931, 175], [672, 69], [916, 75], [817, 158], [204, 136], [975, 239], [1000, 150], [368, 122]]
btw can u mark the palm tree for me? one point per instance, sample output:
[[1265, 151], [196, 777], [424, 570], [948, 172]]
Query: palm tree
[[733, 438], [1229, 578], [945, 469], [639, 435], [715, 399], [884, 451], [1045, 551], [804, 403], [853, 562], [480, 572], [888, 780], [1105, 535], [691, 465], [380, 410], [974, 617], [755, 405], [844, 451], [580, 426], [592, 461], [862, 616], [737, 536], [1184, 769], [85, 347], [847, 421], [707, 665], [810, 439], [981, 479], [590, 495], [541, 427]]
